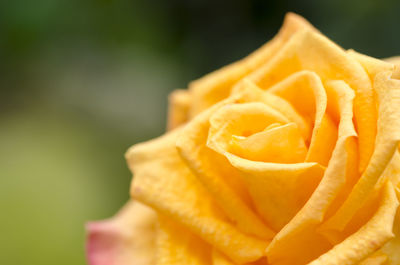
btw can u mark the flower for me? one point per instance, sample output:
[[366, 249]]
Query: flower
[[289, 156]]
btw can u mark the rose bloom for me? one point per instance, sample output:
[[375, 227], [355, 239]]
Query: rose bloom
[[289, 156]]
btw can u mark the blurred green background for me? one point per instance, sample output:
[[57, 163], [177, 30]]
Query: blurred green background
[[81, 81]]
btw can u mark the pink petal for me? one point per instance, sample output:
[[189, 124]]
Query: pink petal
[[127, 238]]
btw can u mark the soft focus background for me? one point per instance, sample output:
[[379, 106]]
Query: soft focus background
[[81, 81]]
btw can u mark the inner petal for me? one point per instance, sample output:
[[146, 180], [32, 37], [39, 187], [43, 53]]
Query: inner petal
[[277, 143]]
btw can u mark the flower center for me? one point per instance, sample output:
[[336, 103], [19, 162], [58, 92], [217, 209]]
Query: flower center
[[277, 144]]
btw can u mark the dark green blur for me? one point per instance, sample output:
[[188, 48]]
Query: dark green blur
[[81, 81]]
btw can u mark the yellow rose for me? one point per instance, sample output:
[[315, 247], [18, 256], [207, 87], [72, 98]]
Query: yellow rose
[[289, 156]]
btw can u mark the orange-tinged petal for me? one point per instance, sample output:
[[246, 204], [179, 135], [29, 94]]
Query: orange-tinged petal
[[299, 242], [364, 214], [216, 86], [369, 238], [177, 245], [279, 144], [127, 238], [305, 85], [341, 92], [268, 181], [277, 103], [323, 141], [387, 141], [265, 181], [240, 120], [220, 259], [308, 86], [178, 109], [163, 181]]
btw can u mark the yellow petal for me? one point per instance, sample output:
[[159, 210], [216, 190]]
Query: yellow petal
[[368, 238], [323, 142], [265, 181], [277, 103], [377, 259], [216, 86], [127, 238], [268, 181], [347, 152], [299, 242], [392, 248], [178, 109], [240, 120], [279, 144], [313, 104], [220, 259], [177, 245], [308, 50], [163, 181], [307, 86], [392, 171], [372, 65], [387, 141]]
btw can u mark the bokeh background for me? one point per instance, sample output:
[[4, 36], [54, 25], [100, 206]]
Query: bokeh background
[[81, 81]]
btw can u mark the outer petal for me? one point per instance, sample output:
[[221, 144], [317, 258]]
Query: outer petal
[[163, 181], [369, 238], [216, 86], [127, 238]]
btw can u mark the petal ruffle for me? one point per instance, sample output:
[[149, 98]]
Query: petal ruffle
[[387, 142], [369, 238]]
